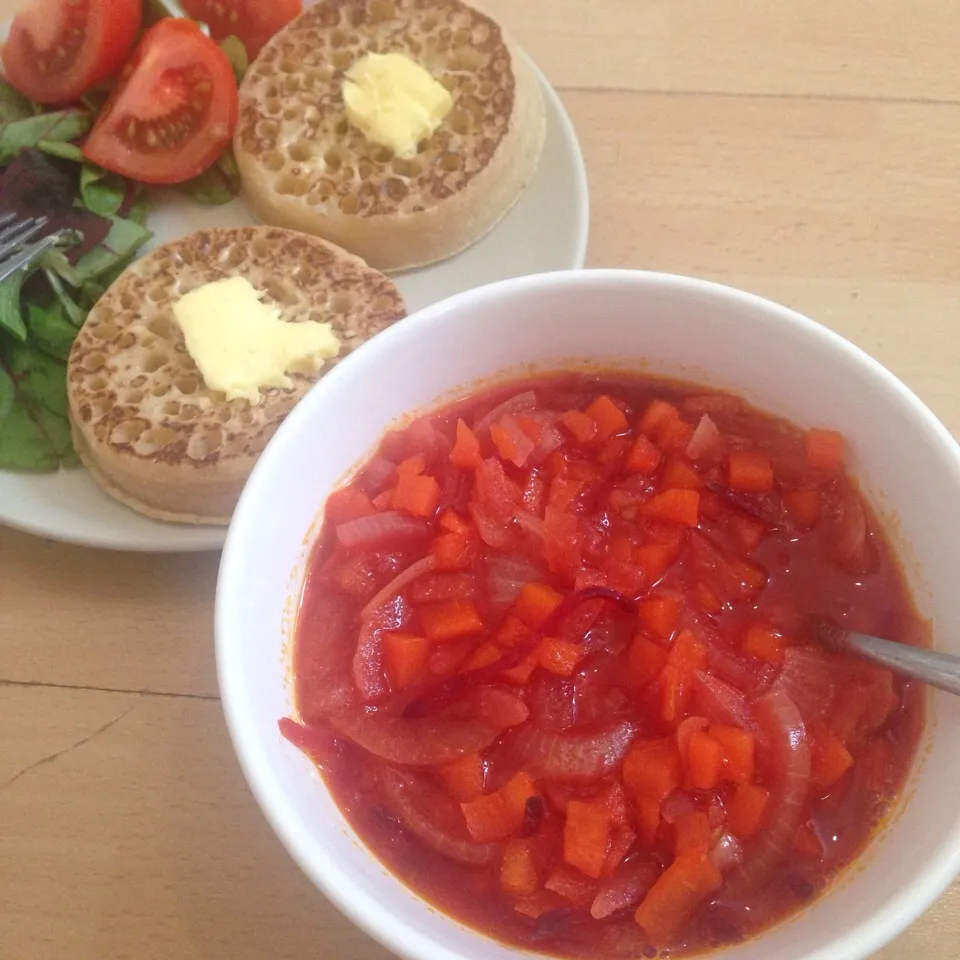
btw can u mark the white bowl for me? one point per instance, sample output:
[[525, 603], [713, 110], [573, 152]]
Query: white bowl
[[907, 463]]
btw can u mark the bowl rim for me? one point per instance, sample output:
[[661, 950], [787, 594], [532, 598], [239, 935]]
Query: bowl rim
[[386, 926]]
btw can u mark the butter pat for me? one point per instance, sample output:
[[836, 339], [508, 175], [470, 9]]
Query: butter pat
[[394, 102], [240, 344]]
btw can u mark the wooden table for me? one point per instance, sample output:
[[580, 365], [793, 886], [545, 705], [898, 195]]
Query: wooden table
[[804, 149]]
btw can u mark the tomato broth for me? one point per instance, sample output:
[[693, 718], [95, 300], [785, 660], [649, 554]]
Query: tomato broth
[[556, 662]]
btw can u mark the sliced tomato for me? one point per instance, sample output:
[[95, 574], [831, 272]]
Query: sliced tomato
[[252, 21], [173, 111], [59, 49]]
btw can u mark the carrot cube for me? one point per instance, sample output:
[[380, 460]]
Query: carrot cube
[[466, 450], [349, 503], [824, 450], [495, 816], [659, 615], [652, 768], [581, 426], [678, 473], [453, 551], [412, 466], [674, 506], [829, 758], [645, 661], [803, 506], [746, 808], [450, 620], [521, 673], [648, 820], [676, 894], [750, 471], [559, 656], [656, 416], [686, 657], [692, 831], [643, 457], [609, 418], [417, 495], [704, 761], [765, 643], [570, 884], [519, 875], [536, 603], [405, 657], [464, 777], [738, 752], [586, 837]]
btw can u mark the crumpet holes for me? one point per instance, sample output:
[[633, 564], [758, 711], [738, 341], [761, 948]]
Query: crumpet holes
[[154, 361], [127, 432], [156, 439]]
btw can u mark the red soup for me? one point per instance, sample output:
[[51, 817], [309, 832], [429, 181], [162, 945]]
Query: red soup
[[555, 662]]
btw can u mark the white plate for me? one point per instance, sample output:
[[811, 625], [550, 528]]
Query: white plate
[[547, 230]]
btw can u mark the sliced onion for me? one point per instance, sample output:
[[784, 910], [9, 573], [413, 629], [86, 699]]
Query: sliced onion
[[434, 818], [419, 742], [529, 523], [785, 750], [809, 677], [550, 439], [442, 586], [626, 888], [508, 575], [396, 585], [572, 757], [519, 403], [678, 804], [686, 730], [706, 444], [727, 853], [721, 703], [522, 444], [378, 528], [492, 532], [502, 708], [552, 701], [376, 475], [368, 675]]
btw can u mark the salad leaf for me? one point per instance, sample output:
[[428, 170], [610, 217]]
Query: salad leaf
[[61, 149], [125, 237], [40, 380], [11, 316], [102, 193], [63, 125], [6, 393], [217, 184], [74, 312], [57, 430], [50, 330], [13, 104], [236, 53], [23, 444]]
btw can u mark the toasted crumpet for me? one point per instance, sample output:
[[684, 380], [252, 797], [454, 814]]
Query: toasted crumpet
[[150, 431], [304, 165]]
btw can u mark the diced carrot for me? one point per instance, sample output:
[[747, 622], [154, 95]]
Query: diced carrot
[[570, 884], [581, 426], [586, 837], [464, 777], [536, 603], [656, 415], [384, 500], [704, 761], [674, 506], [622, 840], [483, 655], [532, 427], [750, 577], [453, 551], [686, 657], [466, 450], [745, 809], [750, 471], [747, 531], [452, 522], [679, 473], [674, 436], [645, 660], [411, 467], [450, 620], [505, 440], [559, 656], [653, 560], [417, 495], [659, 615], [521, 673], [676, 894], [519, 875], [765, 643], [609, 418], [706, 597], [652, 768], [807, 843], [804, 506], [648, 820], [829, 758], [495, 816], [643, 457], [692, 831], [405, 657], [348, 503], [611, 453], [502, 708], [824, 450], [445, 658], [738, 752], [511, 631], [537, 905]]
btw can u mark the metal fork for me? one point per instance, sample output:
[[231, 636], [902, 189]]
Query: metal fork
[[16, 249]]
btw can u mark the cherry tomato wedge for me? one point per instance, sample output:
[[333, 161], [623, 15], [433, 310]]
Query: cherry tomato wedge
[[59, 49], [252, 21], [173, 111]]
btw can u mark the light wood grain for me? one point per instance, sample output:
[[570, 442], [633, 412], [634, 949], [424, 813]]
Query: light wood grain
[[804, 149]]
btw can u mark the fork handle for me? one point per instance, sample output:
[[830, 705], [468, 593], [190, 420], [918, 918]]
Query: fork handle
[[26, 256], [940, 670]]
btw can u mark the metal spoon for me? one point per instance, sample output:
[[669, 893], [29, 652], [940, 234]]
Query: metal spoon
[[938, 669]]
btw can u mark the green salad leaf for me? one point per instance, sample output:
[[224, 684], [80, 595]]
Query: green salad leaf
[[61, 149], [13, 104], [60, 126], [6, 393], [218, 184], [236, 53], [23, 443], [50, 329], [11, 316], [101, 192]]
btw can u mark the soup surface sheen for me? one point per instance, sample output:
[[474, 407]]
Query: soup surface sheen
[[555, 662]]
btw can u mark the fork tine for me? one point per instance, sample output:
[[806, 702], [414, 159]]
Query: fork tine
[[5, 218], [19, 233], [26, 256]]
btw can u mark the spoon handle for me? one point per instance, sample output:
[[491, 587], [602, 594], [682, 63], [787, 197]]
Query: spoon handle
[[938, 669]]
